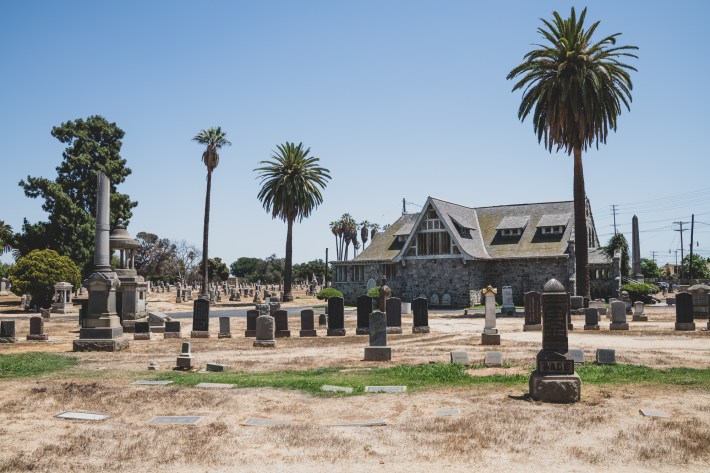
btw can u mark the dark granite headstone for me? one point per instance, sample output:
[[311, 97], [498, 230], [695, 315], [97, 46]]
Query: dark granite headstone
[[336, 316], [172, 327], [36, 326], [364, 308], [569, 312], [201, 316], [281, 321], [7, 331], [684, 311], [552, 358], [251, 323], [394, 315], [533, 311], [378, 329], [142, 327], [420, 311], [307, 324], [225, 327]]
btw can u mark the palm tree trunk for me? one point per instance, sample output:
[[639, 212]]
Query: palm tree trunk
[[288, 297], [580, 227], [205, 237]]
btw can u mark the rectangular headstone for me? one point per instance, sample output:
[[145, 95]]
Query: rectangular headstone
[[460, 357], [307, 320], [281, 322], [385, 389], [394, 312], [378, 329], [447, 412], [576, 302], [175, 420], [201, 316], [142, 327], [81, 416], [591, 316], [364, 307], [618, 312], [576, 355], [36, 325], [420, 310], [251, 323], [533, 310], [173, 326], [225, 325], [684, 308], [336, 316], [606, 356], [7, 329], [156, 319], [493, 358]]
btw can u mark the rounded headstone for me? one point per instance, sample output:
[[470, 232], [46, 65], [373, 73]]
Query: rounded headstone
[[553, 285]]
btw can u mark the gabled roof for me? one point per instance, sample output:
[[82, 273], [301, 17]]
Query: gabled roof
[[471, 248], [383, 247]]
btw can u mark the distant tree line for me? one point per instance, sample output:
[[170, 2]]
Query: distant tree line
[[271, 270]]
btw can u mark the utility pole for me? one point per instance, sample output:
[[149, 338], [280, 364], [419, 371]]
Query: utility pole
[[325, 276], [690, 263], [613, 210], [404, 206], [653, 255], [681, 230]]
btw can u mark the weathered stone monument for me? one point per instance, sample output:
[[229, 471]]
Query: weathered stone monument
[[533, 312], [394, 315], [265, 332], [141, 330], [591, 318], [251, 323], [200, 319], [420, 309], [62, 303], [307, 324], [636, 250], [101, 327], [225, 327], [364, 308], [37, 329], [701, 300], [7, 331], [639, 314], [132, 293], [385, 293], [554, 380], [508, 307], [173, 329], [378, 349], [281, 323], [618, 316], [624, 297], [336, 317], [490, 335], [684, 312], [185, 359]]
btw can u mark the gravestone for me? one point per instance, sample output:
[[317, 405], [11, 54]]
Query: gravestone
[[618, 316], [434, 299], [178, 297], [533, 312], [606, 356], [378, 349], [570, 326], [281, 323], [7, 331], [307, 324], [173, 329], [200, 319], [639, 313], [336, 317], [364, 308], [225, 327], [157, 322], [508, 307], [446, 300], [576, 302], [701, 300], [37, 329], [141, 331], [554, 380], [420, 309], [371, 284], [624, 297], [490, 335], [684, 312], [460, 357], [394, 315], [384, 294], [185, 359], [265, 332], [274, 306], [263, 309], [251, 323], [576, 355], [493, 359], [591, 319]]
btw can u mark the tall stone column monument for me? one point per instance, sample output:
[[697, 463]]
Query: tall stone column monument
[[636, 250], [101, 327]]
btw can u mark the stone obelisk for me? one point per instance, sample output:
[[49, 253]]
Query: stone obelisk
[[101, 327], [635, 250]]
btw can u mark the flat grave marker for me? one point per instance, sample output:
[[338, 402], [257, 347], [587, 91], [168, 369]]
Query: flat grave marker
[[460, 357], [214, 385], [254, 422], [493, 359], [653, 413], [606, 356], [336, 389], [175, 420], [152, 383], [360, 423], [385, 389], [447, 412], [82, 416], [577, 355]]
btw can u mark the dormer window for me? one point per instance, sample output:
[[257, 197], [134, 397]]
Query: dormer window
[[507, 232], [553, 224], [553, 230], [512, 225]]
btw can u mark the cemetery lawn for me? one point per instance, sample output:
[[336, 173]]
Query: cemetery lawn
[[33, 364]]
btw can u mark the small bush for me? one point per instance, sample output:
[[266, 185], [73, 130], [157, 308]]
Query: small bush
[[37, 272], [640, 291], [328, 292]]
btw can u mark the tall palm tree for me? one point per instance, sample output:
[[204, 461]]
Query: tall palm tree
[[214, 139], [6, 237], [374, 228], [291, 184], [575, 89], [364, 232]]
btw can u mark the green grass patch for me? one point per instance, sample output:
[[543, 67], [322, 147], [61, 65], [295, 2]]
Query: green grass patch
[[32, 364], [432, 376]]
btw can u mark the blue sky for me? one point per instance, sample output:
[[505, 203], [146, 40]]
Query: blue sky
[[399, 99]]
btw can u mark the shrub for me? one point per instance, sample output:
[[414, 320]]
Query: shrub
[[37, 272], [328, 292], [640, 291]]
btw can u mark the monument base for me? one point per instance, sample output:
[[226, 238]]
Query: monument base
[[591, 327], [362, 331], [562, 388], [249, 333], [378, 353], [155, 329], [336, 332], [507, 310], [199, 334], [265, 343], [685, 326], [422, 329], [490, 339], [7, 340], [38, 337], [224, 335], [141, 336], [532, 328], [172, 335], [307, 333], [394, 330], [283, 334], [618, 326], [100, 344], [100, 333], [639, 318], [184, 362]]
